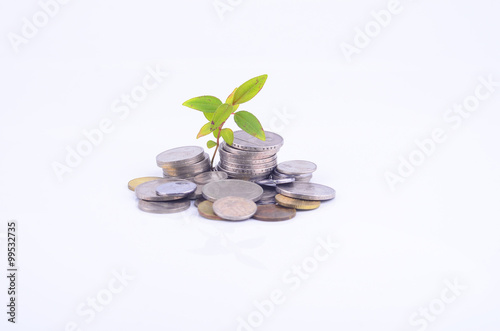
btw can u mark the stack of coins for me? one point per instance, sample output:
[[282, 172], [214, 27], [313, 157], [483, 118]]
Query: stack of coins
[[183, 162], [249, 158], [303, 196], [230, 199], [204, 178], [299, 170], [247, 183], [164, 196], [268, 196]]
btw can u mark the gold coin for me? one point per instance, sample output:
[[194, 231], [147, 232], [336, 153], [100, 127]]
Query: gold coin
[[137, 181], [198, 201], [206, 210], [296, 203]]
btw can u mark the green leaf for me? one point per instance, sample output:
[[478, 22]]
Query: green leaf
[[216, 133], [211, 144], [205, 103], [250, 124], [229, 100], [227, 135], [208, 116], [220, 116], [205, 129], [249, 89]]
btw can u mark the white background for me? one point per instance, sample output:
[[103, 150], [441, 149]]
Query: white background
[[353, 118]]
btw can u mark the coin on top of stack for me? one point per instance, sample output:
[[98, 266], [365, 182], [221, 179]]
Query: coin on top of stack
[[164, 196], [303, 196], [164, 190], [306, 191], [299, 170], [250, 158], [183, 162], [234, 208], [232, 187]]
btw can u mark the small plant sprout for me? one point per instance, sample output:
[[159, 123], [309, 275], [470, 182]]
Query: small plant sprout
[[217, 113]]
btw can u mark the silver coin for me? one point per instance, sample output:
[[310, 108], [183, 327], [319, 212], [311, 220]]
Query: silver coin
[[274, 182], [232, 187], [225, 156], [187, 175], [304, 179], [239, 153], [306, 191], [180, 156], [247, 177], [243, 140], [266, 202], [269, 193], [187, 172], [196, 194], [147, 191], [234, 208], [165, 207], [245, 171], [210, 176], [239, 164], [192, 173], [187, 167], [177, 178], [199, 191], [195, 168], [179, 188], [277, 174], [243, 165], [296, 167]]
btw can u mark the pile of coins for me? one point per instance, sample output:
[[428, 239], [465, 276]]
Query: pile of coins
[[247, 183], [183, 162], [164, 196], [300, 170], [249, 158], [303, 196]]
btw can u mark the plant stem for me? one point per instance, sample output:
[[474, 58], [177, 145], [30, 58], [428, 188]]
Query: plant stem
[[216, 147]]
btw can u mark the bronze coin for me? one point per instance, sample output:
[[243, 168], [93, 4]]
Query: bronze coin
[[273, 213], [205, 209]]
